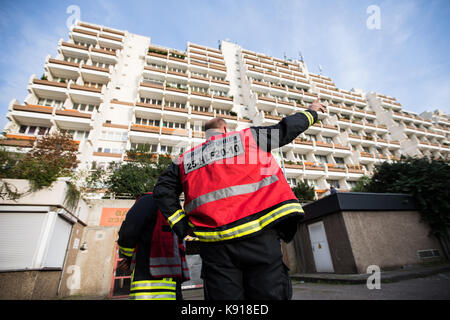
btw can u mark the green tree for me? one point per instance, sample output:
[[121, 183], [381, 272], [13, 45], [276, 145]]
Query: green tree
[[361, 184], [136, 178], [304, 192], [52, 156], [427, 181]]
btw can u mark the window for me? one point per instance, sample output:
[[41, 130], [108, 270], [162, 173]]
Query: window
[[173, 125], [174, 104], [292, 181], [114, 135], [82, 107], [310, 137], [147, 122], [328, 140], [200, 108], [339, 160], [144, 147], [334, 183], [321, 158], [50, 102], [151, 101]]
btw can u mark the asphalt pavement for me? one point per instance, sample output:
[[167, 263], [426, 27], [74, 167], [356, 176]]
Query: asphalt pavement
[[434, 287]]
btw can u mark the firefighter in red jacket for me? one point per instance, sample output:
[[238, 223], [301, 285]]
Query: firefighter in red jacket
[[239, 205], [154, 253]]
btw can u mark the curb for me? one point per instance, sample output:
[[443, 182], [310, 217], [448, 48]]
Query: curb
[[386, 277]]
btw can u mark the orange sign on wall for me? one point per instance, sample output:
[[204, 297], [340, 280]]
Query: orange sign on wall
[[113, 217]]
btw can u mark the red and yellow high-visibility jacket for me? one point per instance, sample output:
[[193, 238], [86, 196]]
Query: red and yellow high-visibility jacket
[[232, 185]]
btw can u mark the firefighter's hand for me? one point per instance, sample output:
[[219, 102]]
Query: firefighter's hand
[[317, 106], [124, 265]]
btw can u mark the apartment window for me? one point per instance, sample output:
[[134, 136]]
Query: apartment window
[[157, 66], [77, 134], [83, 107], [114, 135], [366, 149], [310, 137], [74, 59], [199, 89], [144, 147], [200, 108], [299, 156], [218, 93], [199, 74], [173, 125], [174, 104], [292, 181], [339, 160], [100, 64], [153, 81], [218, 78], [79, 43], [328, 140], [93, 84], [50, 102], [223, 112], [177, 70], [147, 122], [334, 183], [151, 101], [312, 182], [34, 130], [166, 149], [110, 150], [321, 158], [351, 184]]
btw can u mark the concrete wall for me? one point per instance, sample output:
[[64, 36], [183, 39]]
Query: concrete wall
[[388, 239], [29, 285], [357, 239], [95, 264]]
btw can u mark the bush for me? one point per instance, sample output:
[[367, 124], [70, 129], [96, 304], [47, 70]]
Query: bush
[[137, 178], [53, 156], [304, 192]]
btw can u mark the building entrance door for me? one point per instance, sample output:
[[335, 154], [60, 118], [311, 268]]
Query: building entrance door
[[319, 245]]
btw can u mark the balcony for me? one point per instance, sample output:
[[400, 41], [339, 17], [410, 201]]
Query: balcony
[[49, 89], [355, 168], [71, 49], [107, 154], [63, 69], [108, 41], [18, 141], [84, 36], [104, 56], [32, 115], [95, 74], [72, 119], [85, 94]]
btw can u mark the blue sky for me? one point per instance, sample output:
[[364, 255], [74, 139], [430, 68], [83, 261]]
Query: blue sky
[[408, 57]]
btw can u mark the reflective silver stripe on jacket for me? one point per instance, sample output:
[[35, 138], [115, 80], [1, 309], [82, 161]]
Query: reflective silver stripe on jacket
[[229, 192]]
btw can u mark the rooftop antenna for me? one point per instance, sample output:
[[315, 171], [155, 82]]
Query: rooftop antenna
[[284, 54], [300, 55], [320, 69]]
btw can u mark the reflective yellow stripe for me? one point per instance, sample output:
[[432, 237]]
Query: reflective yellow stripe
[[309, 116], [126, 251], [249, 227], [177, 216], [153, 296]]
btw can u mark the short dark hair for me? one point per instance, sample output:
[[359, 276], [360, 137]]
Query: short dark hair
[[215, 123]]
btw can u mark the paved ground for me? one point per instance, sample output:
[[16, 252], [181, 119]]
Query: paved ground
[[435, 287]]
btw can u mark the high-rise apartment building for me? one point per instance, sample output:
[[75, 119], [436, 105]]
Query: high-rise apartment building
[[116, 91]]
